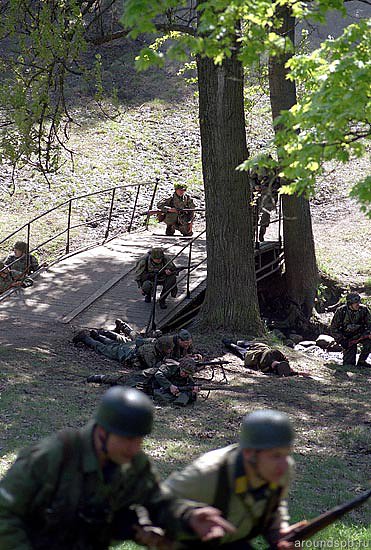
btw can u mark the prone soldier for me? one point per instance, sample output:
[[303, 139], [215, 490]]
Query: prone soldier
[[350, 326], [173, 211], [80, 489]]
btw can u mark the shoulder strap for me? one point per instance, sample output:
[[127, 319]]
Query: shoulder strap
[[222, 489]]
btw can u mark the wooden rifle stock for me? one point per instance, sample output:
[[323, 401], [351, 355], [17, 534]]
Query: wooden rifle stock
[[356, 340], [325, 519]]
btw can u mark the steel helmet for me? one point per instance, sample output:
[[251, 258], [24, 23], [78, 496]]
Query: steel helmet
[[353, 298], [157, 253], [181, 186], [125, 411], [266, 429]]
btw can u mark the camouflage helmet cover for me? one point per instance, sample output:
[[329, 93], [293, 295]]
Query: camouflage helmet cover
[[180, 186], [353, 298], [157, 253], [266, 429], [21, 245], [187, 364], [126, 412]]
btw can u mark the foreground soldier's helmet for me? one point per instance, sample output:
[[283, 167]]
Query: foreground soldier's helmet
[[125, 411], [22, 246], [266, 429], [187, 364], [181, 186], [353, 298], [157, 253]]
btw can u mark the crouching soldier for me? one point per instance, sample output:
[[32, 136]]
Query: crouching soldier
[[150, 266], [173, 382], [173, 213]]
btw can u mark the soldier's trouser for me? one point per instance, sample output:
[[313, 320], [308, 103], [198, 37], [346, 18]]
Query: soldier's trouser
[[164, 396], [185, 228], [112, 350], [167, 283], [265, 220], [350, 354], [238, 350], [104, 335]]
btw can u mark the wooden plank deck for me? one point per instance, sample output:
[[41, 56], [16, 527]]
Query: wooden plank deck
[[79, 288]]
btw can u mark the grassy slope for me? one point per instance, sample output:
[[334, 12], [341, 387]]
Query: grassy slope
[[155, 134]]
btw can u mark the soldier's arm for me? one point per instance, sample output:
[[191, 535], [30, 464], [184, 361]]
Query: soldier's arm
[[166, 203], [26, 487], [162, 377], [140, 268], [171, 265], [336, 325], [34, 264]]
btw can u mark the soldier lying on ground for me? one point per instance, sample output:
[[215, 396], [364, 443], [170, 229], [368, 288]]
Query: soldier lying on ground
[[248, 482], [351, 325], [82, 489], [21, 261], [147, 267], [140, 352], [172, 208], [164, 382], [259, 356]]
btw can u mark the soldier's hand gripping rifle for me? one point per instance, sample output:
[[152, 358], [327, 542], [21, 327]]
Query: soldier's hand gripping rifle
[[357, 340], [306, 531]]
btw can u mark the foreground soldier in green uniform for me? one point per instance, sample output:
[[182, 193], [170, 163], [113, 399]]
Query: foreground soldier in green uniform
[[351, 325], [76, 490], [248, 482], [172, 207], [146, 270]]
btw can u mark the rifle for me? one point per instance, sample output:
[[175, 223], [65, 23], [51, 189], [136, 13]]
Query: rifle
[[356, 340], [317, 524], [153, 212], [202, 364]]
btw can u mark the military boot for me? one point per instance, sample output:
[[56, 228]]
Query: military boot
[[174, 292], [121, 326], [81, 336], [170, 230]]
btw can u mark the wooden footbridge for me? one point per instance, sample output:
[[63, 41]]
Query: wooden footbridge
[[93, 287]]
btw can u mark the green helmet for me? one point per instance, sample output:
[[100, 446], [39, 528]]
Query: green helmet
[[125, 411], [187, 364], [181, 186], [157, 253], [353, 298], [22, 246], [266, 429], [184, 335]]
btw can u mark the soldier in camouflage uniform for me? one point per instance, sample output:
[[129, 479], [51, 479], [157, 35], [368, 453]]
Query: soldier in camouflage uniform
[[351, 322], [8, 279], [145, 271], [79, 489], [138, 353], [171, 376], [172, 208], [248, 482], [260, 356], [20, 261]]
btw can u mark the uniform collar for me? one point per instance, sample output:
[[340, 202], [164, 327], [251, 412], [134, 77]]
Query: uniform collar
[[244, 483]]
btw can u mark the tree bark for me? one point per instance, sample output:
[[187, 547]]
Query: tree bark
[[231, 301], [299, 250]]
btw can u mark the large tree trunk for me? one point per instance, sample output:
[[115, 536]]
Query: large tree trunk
[[300, 258], [231, 301]]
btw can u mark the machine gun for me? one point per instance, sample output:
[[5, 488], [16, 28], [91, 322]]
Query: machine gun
[[306, 531], [200, 365]]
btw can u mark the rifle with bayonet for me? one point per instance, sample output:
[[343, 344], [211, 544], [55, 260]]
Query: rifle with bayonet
[[308, 530]]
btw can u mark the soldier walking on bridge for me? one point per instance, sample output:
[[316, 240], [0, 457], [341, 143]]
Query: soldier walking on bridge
[[172, 211], [146, 270]]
